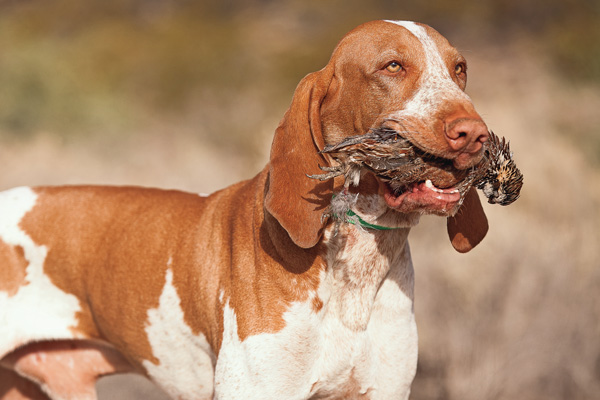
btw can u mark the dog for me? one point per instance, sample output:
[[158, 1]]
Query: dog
[[254, 291]]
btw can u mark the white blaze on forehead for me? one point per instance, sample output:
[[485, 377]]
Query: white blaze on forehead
[[38, 310], [186, 360], [435, 86]]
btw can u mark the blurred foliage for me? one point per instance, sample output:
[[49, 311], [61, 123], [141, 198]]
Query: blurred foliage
[[72, 66]]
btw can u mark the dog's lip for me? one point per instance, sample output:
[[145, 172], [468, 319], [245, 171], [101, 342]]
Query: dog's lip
[[422, 196]]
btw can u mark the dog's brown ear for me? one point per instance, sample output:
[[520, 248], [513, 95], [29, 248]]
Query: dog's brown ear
[[469, 226], [295, 200]]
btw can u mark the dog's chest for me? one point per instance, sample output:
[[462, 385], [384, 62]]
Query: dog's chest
[[360, 344]]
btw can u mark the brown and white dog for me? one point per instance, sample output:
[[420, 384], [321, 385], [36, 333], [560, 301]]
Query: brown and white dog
[[247, 293]]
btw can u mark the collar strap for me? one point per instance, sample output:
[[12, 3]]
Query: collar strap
[[357, 220]]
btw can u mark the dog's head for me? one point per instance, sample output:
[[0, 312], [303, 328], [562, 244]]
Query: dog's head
[[383, 74]]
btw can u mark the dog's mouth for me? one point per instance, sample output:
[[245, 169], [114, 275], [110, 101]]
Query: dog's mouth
[[410, 179], [422, 197], [429, 185]]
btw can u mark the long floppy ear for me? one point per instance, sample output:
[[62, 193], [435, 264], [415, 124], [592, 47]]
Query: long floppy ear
[[295, 200], [469, 226]]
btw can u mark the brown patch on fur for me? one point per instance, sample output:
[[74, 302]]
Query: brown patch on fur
[[120, 240], [317, 304], [269, 267], [13, 271]]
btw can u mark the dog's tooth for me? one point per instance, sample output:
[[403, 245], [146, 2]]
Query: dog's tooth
[[431, 186]]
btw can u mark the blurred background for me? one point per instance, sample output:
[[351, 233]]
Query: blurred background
[[187, 95]]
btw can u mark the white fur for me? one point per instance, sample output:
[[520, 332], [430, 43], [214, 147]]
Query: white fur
[[186, 361], [38, 310], [435, 86], [364, 335]]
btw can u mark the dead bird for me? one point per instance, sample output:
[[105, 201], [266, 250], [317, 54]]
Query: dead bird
[[394, 160], [502, 181]]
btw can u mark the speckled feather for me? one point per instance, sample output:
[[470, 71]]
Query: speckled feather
[[503, 181], [396, 161]]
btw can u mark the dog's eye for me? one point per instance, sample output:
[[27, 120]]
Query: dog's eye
[[393, 67], [460, 69]]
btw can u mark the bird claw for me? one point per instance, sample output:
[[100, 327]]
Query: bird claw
[[330, 172]]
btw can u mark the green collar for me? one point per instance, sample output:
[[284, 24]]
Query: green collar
[[361, 222]]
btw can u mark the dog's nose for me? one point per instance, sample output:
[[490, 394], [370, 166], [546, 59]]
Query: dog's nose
[[466, 135]]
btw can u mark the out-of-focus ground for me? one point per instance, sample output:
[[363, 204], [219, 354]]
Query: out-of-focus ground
[[187, 95]]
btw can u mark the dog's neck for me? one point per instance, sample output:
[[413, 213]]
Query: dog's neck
[[359, 259]]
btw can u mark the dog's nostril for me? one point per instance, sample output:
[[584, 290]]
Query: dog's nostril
[[457, 140], [455, 134], [466, 134]]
